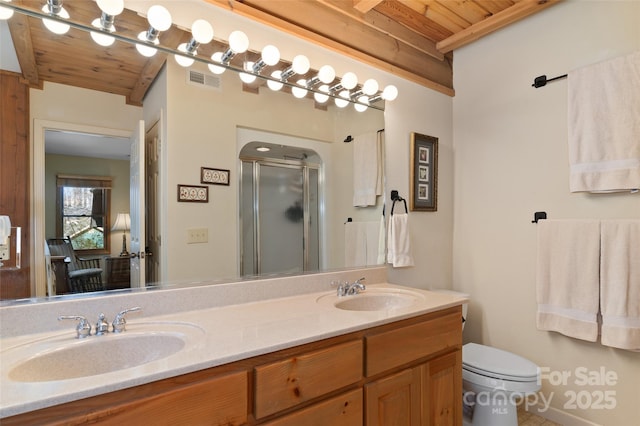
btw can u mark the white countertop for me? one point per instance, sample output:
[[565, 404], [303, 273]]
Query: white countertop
[[222, 335]]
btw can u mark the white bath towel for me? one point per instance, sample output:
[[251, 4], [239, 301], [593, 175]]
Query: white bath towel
[[367, 182], [620, 283], [604, 126], [361, 245], [567, 277], [399, 241]]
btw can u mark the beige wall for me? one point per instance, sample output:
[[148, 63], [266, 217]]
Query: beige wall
[[510, 145], [201, 131]]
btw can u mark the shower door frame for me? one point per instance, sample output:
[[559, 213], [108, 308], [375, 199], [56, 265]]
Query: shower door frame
[[256, 163]]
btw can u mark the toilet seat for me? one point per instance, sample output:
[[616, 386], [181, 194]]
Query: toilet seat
[[497, 364]]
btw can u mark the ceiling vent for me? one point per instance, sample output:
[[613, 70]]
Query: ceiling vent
[[204, 80]]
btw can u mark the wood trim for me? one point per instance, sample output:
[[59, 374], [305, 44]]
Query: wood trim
[[399, 59], [15, 180], [501, 19], [21, 35]]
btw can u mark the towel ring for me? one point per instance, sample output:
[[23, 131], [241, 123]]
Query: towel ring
[[394, 205]]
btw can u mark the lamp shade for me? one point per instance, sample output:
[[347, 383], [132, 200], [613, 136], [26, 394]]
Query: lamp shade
[[123, 222]]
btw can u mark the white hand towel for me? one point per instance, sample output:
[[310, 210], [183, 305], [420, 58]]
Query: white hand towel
[[604, 126], [365, 169], [362, 240], [620, 283], [567, 277], [398, 241]]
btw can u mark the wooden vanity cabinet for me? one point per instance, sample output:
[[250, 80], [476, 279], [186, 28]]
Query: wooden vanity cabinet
[[404, 373]]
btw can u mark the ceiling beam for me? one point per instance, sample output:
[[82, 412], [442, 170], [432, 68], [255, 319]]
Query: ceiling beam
[[23, 45], [152, 68], [306, 21], [364, 6], [501, 19], [389, 27]]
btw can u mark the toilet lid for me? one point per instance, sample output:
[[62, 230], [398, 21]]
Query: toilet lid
[[497, 363]]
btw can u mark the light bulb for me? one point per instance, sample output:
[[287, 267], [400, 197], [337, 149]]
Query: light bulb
[[270, 55], [390, 93], [370, 87], [183, 61], [202, 31], [216, 57], [55, 26], [238, 42], [299, 92], [362, 105], [100, 38], [349, 80], [247, 78], [111, 7], [5, 12], [341, 103], [159, 17], [321, 97], [143, 48], [300, 64], [275, 85], [326, 74]]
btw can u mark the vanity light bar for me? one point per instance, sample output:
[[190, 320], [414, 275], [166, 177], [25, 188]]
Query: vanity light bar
[[361, 97]]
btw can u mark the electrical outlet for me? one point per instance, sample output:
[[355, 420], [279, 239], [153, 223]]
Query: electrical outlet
[[197, 236]]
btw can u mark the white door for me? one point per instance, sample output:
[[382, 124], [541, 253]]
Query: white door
[[137, 207], [154, 254]]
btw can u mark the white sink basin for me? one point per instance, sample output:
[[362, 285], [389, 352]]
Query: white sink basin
[[66, 358], [374, 299]]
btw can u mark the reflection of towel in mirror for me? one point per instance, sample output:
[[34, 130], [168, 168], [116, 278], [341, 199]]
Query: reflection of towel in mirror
[[362, 240], [367, 169], [398, 241]]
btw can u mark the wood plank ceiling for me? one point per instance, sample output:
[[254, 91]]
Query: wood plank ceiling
[[414, 39]]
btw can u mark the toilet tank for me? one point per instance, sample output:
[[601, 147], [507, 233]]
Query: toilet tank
[[465, 306]]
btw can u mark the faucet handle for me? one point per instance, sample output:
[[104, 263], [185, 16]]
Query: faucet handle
[[83, 329], [119, 323], [102, 326]]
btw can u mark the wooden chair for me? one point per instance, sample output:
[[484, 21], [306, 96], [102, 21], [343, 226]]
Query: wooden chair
[[83, 275]]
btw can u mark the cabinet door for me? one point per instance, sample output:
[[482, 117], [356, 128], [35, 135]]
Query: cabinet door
[[442, 390], [394, 400], [342, 410]]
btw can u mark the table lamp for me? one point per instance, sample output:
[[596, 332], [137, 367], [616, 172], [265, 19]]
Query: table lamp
[[123, 223]]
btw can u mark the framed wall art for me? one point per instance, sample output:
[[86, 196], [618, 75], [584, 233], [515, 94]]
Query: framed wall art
[[214, 176], [193, 194], [424, 173]]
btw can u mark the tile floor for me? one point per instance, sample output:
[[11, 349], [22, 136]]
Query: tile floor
[[529, 419]]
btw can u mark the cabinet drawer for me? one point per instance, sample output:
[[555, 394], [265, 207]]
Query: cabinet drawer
[[342, 410], [394, 348], [285, 383]]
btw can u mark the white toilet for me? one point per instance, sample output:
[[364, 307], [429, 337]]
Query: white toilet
[[493, 382]]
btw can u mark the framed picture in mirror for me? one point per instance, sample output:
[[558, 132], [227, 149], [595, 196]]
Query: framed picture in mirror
[[193, 193], [424, 173], [214, 176]]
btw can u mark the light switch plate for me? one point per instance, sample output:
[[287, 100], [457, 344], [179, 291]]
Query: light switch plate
[[197, 236]]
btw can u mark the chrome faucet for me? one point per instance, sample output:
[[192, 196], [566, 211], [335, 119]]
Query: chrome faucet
[[347, 289], [83, 329], [119, 323], [356, 287]]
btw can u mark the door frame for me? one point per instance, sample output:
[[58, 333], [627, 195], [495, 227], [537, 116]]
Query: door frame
[[37, 205]]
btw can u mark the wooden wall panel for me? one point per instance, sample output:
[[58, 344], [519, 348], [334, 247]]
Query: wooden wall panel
[[15, 182]]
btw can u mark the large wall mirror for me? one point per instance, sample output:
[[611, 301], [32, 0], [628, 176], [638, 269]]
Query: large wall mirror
[[194, 122]]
